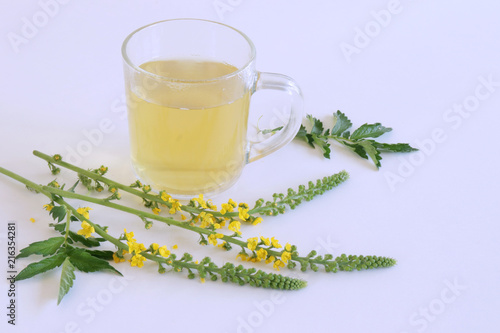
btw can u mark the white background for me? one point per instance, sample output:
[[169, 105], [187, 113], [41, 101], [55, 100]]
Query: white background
[[436, 212]]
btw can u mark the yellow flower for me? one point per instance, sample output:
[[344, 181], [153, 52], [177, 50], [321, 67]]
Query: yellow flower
[[202, 280], [278, 263], [176, 205], [129, 235], [164, 196], [275, 243], [183, 217], [252, 243], [117, 259], [156, 211], [175, 247], [270, 259], [216, 225], [243, 213], [226, 207], [200, 200], [48, 207], [207, 219], [262, 254], [137, 260], [164, 252], [285, 256], [234, 226], [266, 241], [84, 211], [212, 238], [146, 188], [243, 256], [257, 221], [135, 247], [211, 205], [86, 230], [288, 247], [103, 169], [155, 247], [32, 220], [243, 205]]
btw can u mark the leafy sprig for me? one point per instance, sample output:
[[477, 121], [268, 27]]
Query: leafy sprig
[[75, 251], [360, 141]]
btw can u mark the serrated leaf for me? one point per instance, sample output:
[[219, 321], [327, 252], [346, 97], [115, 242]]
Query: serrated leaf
[[41, 266], [101, 254], [324, 146], [357, 148], [340, 123], [395, 147], [67, 278], [58, 213], [310, 140], [85, 262], [317, 125], [372, 151], [44, 248], [61, 227], [369, 131], [302, 132], [88, 242]]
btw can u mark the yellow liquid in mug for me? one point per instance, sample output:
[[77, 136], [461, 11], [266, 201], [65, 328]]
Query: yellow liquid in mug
[[192, 149]]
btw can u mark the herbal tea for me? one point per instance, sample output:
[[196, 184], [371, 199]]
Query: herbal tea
[[187, 140]]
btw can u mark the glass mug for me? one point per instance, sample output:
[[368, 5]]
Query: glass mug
[[188, 84]]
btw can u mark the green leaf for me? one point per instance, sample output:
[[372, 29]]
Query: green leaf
[[340, 123], [357, 148], [372, 151], [394, 147], [324, 146], [74, 237], [301, 134], [41, 266], [369, 131], [44, 248], [317, 125], [67, 278], [72, 189], [58, 213], [88, 242], [274, 130], [101, 254], [85, 262]]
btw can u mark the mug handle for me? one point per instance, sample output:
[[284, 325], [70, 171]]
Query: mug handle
[[289, 131]]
